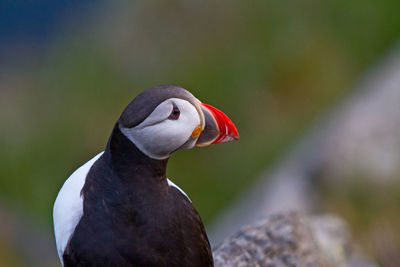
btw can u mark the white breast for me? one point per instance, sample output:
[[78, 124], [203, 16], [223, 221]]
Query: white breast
[[68, 207]]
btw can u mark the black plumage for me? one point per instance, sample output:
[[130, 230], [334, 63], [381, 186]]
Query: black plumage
[[132, 217]]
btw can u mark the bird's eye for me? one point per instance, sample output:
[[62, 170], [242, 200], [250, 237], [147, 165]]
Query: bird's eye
[[174, 113]]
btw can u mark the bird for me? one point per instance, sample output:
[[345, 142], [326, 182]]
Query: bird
[[119, 208]]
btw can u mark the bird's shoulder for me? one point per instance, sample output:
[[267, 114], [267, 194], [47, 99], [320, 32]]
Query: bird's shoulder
[[173, 185], [68, 206]]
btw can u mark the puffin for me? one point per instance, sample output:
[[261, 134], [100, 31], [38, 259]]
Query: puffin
[[119, 208]]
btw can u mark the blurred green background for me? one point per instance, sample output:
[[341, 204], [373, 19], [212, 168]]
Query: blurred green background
[[67, 70]]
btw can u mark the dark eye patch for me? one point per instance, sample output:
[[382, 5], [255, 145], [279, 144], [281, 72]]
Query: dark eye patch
[[175, 113]]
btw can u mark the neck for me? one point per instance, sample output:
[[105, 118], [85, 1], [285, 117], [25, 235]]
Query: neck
[[129, 162]]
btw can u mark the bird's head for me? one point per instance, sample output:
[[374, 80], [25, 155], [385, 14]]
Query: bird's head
[[167, 118]]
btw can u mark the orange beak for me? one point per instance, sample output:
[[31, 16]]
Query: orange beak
[[218, 127]]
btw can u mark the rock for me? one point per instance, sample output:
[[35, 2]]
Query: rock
[[290, 239], [364, 136]]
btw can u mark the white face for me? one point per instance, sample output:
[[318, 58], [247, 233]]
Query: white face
[[162, 133]]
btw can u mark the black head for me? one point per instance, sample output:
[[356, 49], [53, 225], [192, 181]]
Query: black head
[[167, 118], [145, 103]]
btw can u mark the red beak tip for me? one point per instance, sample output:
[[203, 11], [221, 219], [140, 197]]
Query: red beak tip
[[235, 137], [233, 132]]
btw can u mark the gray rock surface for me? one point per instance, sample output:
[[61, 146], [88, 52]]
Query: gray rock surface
[[290, 239]]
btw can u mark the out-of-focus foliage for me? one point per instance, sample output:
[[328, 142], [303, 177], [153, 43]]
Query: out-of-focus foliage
[[371, 209], [272, 66], [8, 257]]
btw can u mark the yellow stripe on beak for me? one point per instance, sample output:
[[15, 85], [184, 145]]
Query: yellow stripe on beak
[[196, 132]]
